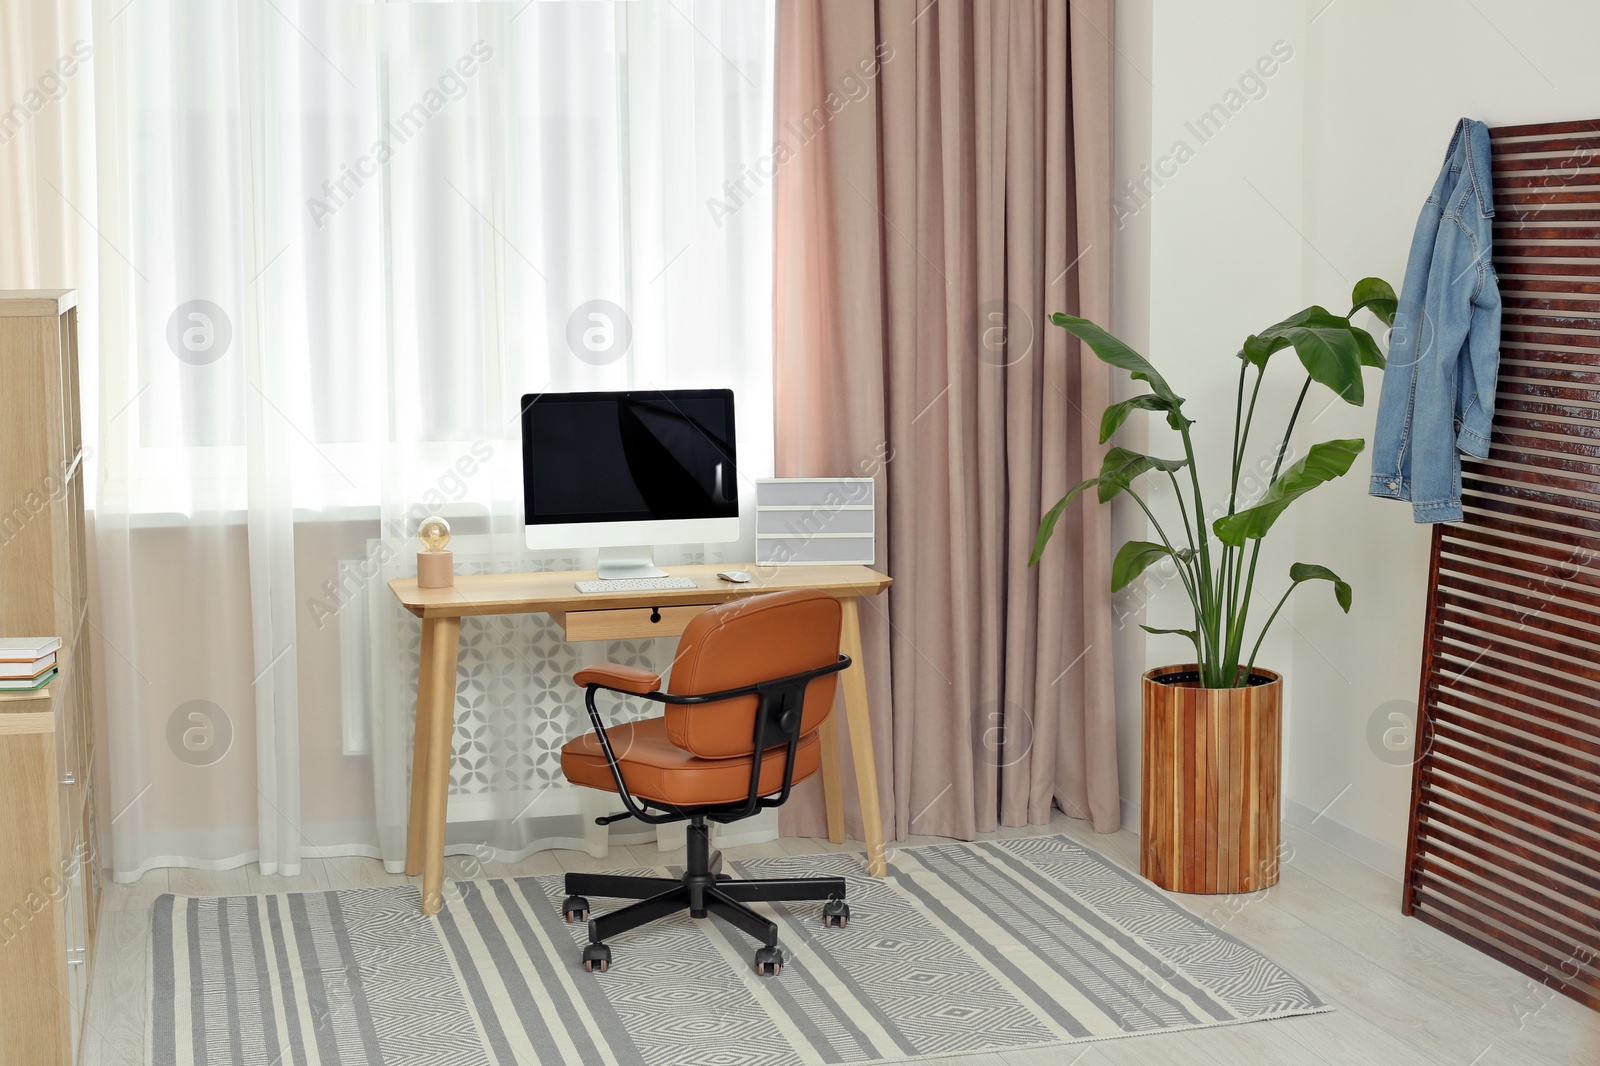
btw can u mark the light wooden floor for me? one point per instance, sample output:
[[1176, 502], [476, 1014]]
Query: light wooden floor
[[1404, 993]]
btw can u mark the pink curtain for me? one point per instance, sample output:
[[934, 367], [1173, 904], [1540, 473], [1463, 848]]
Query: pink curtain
[[943, 184]]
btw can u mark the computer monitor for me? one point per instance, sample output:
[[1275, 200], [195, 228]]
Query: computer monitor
[[625, 471]]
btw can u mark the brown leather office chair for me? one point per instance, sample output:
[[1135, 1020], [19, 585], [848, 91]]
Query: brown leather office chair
[[752, 675]]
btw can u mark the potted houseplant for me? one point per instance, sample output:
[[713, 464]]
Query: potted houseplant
[[1209, 808]]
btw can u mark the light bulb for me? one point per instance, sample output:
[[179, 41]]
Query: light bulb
[[434, 533]]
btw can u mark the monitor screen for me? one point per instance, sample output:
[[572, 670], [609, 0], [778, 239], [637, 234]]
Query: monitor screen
[[628, 456]]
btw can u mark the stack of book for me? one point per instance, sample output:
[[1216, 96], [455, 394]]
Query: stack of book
[[27, 662]]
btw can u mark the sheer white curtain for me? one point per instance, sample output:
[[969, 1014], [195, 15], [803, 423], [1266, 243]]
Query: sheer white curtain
[[338, 243]]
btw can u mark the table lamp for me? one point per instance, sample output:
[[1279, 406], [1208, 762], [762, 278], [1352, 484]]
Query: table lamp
[[435, 565]]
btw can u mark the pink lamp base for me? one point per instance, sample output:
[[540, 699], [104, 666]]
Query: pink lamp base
[[435, 570]]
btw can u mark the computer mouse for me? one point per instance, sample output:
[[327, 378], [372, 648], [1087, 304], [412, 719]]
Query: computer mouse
[[738, 577]]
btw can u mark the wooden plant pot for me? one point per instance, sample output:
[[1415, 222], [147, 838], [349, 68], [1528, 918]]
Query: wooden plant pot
[[1209, 810]]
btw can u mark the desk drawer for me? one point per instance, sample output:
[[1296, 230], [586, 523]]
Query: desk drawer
[[630, 623]]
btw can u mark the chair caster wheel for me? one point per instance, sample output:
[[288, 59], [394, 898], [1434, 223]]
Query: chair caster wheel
[[769, 962], [575, 909], [835, 912], [724, 877], [596, 957]]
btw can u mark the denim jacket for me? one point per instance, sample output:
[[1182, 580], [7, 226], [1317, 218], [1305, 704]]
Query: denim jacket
[[1444, 350]]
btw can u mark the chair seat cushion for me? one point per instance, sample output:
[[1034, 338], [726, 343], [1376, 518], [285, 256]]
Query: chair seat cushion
[[657, 769]]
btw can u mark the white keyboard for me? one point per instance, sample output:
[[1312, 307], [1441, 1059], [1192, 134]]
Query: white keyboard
[[636, 584]]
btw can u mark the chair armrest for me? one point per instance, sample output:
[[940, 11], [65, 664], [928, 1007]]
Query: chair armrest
[[632, 679]]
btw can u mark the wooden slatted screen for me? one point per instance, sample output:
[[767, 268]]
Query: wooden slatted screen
[[1504, 849]]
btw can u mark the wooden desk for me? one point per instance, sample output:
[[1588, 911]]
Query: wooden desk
[[615, 616]]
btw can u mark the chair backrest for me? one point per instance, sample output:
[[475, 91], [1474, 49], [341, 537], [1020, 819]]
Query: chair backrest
[[744, 642]]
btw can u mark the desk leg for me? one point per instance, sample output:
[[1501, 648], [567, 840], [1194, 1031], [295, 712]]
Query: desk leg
[[832, 778], [440, 695], [419, 755], [855, 706]]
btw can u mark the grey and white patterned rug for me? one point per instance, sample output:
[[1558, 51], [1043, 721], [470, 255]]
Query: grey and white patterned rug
[[964, 948]]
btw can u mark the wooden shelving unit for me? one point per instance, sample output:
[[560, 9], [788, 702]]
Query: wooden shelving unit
[[49, 861]]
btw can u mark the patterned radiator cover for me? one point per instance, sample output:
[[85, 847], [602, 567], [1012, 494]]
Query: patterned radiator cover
[[516, 704]]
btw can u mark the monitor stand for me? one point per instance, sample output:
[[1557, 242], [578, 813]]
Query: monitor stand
[[617, 564]]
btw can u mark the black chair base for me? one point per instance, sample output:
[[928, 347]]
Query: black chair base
[[704, 891]]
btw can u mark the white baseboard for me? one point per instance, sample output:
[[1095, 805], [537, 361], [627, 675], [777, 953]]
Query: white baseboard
[[1367, 850]]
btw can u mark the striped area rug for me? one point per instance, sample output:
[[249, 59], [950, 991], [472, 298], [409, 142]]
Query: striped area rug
[[964, 948]]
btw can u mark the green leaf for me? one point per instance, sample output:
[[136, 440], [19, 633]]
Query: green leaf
[[1327, 347], [1258, 346], [1199, 656], [1332, 356], [1118, 413], [1118, 469], [1311, 572], [1047, 526], [1121, 466], [1137, 556], [1377, 296], [1371, 354], [1323, 462], [1113, 351]]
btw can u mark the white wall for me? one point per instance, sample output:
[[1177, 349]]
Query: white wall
[[1304, 190], [1379, 110], [1204, 258], [1133, 90]]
